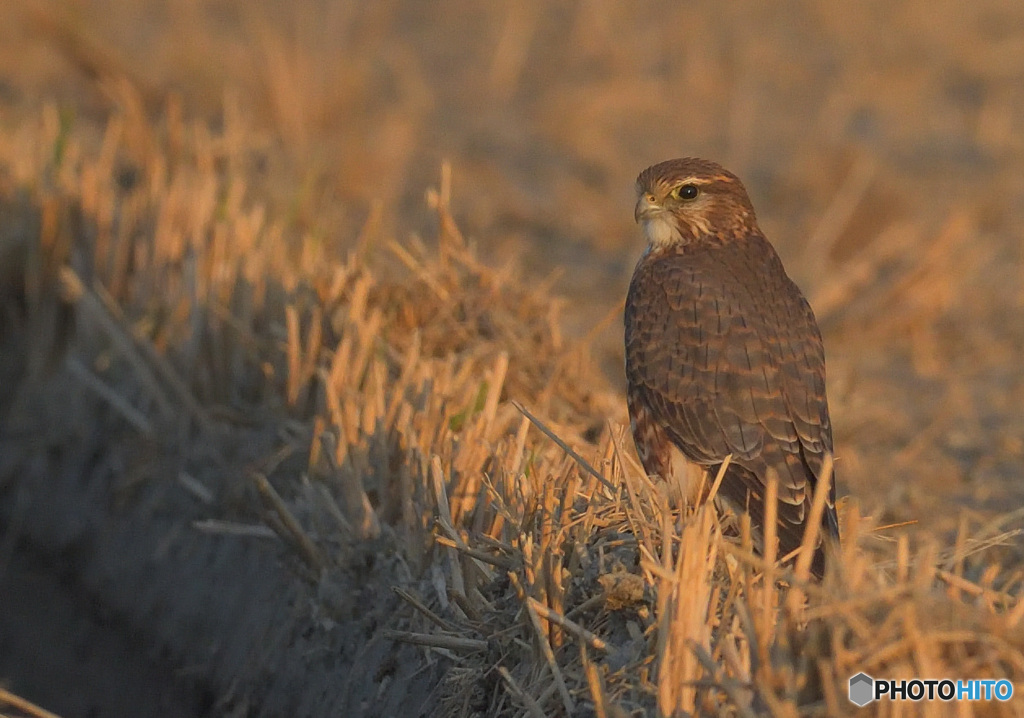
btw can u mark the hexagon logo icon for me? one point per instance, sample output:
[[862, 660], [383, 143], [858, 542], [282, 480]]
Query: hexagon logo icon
[[861, 689]]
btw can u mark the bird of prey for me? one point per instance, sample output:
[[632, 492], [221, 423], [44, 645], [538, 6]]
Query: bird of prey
[[723, 355]]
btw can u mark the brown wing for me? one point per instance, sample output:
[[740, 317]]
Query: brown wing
[[723, 351]]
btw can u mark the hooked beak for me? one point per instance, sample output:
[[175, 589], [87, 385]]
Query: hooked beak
[[646, 207]]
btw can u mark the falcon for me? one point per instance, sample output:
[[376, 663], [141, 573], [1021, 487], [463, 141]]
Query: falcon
[[723, 355]]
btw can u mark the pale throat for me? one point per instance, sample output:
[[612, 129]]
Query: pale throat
[[660, 231]]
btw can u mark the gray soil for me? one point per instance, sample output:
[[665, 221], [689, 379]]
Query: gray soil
[[114, 605], [63, 650]]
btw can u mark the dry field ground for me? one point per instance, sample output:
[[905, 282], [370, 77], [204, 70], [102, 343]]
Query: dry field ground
[[311, 399]]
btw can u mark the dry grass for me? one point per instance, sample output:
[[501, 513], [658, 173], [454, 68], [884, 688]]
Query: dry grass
[[409, 389], [549, 573]]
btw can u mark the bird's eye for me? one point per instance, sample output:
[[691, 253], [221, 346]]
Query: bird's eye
[[687, 192]]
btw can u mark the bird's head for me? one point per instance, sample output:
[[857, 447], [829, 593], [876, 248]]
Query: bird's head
[[685, 200]]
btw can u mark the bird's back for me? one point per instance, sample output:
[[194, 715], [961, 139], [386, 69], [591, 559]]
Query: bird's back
[[723, 352]]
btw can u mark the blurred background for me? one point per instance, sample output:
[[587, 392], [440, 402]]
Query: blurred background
[[882, 144]]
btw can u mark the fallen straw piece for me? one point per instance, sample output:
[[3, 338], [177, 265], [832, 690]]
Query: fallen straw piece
[[436, 640], [584, 464], [570, 626]]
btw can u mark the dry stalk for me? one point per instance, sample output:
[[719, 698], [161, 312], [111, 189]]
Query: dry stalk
[[293, 531], [436, 640], [549, 655], [683, 624], [514, 688], [571, 626], [18, 703], [565, 447]]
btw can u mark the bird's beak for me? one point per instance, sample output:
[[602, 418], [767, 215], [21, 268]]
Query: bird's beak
[[646, 206]]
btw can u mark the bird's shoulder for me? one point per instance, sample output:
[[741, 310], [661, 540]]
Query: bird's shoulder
[[744, 272]]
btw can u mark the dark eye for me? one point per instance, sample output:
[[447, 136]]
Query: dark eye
[[688, 191]]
